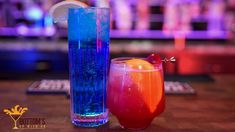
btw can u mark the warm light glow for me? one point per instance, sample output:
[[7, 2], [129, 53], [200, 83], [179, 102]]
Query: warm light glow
[[179, 41]]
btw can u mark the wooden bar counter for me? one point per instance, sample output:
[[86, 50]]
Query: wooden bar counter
[[211, 109]]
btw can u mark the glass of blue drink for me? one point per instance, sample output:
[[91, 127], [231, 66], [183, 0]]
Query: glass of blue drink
[[88, 36]]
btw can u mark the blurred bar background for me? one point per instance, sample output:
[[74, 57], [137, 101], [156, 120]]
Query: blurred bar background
[[199, 33]]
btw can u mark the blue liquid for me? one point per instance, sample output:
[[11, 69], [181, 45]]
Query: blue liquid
[[88, 76], [88, 59]]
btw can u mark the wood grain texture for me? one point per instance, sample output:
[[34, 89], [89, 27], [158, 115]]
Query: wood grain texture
[[212, 109]]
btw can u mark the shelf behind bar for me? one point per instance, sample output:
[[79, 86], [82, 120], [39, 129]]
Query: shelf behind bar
[[117, 34]]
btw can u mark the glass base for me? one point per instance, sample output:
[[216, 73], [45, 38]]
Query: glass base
[[90, 121], [135, 124]]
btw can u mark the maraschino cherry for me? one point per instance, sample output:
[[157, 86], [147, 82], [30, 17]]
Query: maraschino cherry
[[154, 58]]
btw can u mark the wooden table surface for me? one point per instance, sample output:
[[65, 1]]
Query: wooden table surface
[[212, 109]]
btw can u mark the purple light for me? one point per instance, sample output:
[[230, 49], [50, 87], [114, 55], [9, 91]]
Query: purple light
[[22, 30]]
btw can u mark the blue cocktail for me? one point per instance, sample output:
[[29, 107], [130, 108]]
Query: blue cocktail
[[88, 35]]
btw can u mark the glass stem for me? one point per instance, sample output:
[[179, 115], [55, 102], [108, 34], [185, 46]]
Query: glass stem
[[15, 127]]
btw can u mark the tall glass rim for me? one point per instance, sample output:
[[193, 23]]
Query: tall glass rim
[[120, 61], [97, 8]]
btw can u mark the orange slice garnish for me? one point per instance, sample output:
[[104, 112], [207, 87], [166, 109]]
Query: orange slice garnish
[[138, 64], [149, 82]]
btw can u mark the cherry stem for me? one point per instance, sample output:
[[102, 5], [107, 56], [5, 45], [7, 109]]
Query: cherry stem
[[171, 60]]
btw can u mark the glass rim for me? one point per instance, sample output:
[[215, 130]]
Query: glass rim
[[101, 8], [121, 62]]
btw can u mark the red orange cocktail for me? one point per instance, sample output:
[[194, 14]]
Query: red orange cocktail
[[135, 93]]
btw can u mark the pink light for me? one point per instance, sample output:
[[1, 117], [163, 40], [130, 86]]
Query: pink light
[[98, 44], [49, 31]]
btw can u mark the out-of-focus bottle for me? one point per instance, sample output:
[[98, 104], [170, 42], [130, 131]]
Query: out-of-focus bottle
[[230, 19], [178, 15], [142, 22], [215, 16], [123, 15]]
